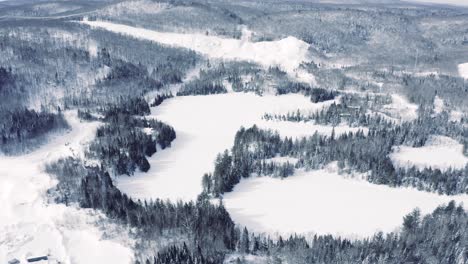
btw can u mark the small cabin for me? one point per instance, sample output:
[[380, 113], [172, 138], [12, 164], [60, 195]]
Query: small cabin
[[37, 258]]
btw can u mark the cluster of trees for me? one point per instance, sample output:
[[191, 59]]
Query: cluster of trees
[[251, 148], [18, 127], [122, 145], [202, 87], [182, 254]]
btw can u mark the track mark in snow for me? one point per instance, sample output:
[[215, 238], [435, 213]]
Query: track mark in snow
[[288, 53]]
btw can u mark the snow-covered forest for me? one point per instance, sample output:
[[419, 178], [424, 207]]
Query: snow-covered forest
[[216, 131]]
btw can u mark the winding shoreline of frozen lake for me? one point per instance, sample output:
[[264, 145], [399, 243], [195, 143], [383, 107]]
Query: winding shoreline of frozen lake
[[206, 126]]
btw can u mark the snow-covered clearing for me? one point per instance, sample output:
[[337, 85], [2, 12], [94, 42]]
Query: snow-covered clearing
[[463, 70], [439, 105], [401, 109], [324, 202], [206, 126], [288, 53], [30, 225], [439, 152]]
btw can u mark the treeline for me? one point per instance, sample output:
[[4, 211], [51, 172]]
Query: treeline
[[439, 237], [122, 145], [351, 109], [19, 126]]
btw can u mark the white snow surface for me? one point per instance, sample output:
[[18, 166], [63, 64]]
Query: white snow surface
[[206, 126], [439, 152], [324, 202], [30, 225], [438, 105], [401, 109], [463, 69], [288, 53]]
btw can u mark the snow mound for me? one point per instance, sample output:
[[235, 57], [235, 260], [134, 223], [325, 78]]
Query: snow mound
[[29, 225], [463, 70], [206, 126], [288, 53], [323, 202], [439, 152]]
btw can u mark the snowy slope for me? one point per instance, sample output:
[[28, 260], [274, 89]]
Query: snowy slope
[[323, 202], [206, 126], [29, 225], [463, 70], [439, 153], [287, 53]]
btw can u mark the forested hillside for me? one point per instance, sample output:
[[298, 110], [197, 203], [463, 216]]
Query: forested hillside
[[101, 99]]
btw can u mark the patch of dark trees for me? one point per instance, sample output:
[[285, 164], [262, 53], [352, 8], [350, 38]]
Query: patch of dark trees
[[159, 99], [122, 145], [19, 127]]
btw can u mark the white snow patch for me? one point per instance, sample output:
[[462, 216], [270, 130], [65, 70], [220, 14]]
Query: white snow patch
[[463, 70], [323, 202], [288, 53], [455, 116], [401, 109], [206, 126], [282, 160], [439, 152], [29, 225], [438, 105]]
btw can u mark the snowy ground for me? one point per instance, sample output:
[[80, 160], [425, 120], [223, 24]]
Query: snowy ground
[[206, 126], [463, 70], [29, 225], [401, 109], [288, 53], [439, 152], [324, 202]]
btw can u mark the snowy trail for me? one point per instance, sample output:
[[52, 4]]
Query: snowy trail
[[28, 224], [288, 53], [206, 126], [324, 202]]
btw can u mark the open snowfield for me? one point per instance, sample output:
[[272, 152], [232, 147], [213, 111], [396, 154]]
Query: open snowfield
[[29, 225], [288, 53], [324, 202], [206, 126], [463, 70], [439, 153]]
